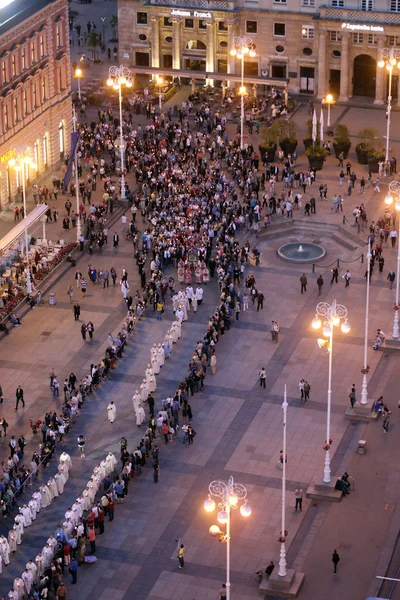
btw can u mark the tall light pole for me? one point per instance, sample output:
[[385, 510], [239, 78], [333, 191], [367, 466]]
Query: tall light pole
[[160, 83], [394, 194], [119, 76], [78, 74], [230, 493], [78, 212], [334, 315], [389, 59], [19, 163], [282, 562], [240, 47], [328, 100], [364, 386]]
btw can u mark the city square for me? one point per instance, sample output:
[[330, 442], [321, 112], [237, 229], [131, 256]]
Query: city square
[[238, 419]]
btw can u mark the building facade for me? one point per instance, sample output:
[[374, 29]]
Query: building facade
[[321, 48], [35, 75]]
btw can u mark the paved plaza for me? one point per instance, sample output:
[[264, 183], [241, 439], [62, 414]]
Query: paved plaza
[[238, 424]]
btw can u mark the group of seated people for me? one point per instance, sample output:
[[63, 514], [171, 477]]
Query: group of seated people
[[379, 339], [343, 484]]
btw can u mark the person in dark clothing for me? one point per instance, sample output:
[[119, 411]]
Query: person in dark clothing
[[335, 560], [335, 274], [77, 311], [19, 394]]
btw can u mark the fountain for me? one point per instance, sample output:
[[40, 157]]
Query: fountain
[[307, 252]]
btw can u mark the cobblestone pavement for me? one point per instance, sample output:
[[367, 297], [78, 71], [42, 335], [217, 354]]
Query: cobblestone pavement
[[238, 425]]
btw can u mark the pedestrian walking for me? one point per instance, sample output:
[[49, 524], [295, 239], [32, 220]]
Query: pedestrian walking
[[83, 286], [81, 445], [263, 376], [335, 560], [77, 311], [116, 240], [376, 187], [19, 395], [276, 331], [181, 556], [391, 277], [347, 278], [90, 329], [1, 396], [156, 471], [113, 273], [303, 282], [335, 274], [385, 423], [111, 411], [74, 571], [352, 395], [320, 283], [83, 331], [260, 301], [213, 364], [301, 388], [298, 494], [70, 292], [307, 389], [222, 592]]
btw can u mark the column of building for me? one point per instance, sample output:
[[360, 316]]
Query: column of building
[[344, 68], [322, 65], [155, 42], [210, 54], [176, 40], [380, 73]]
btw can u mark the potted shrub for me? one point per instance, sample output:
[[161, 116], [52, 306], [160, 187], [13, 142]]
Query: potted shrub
[[366, 145], [268, 146], [308, 141], [374, 158], [316, 156], [341, 140], [287, 134]]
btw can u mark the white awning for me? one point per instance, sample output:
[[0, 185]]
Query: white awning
[[16, 232]]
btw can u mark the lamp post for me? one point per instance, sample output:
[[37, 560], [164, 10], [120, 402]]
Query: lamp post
[[282, 562], [334, 315], [78, 212], [364, 385], [328, 100], [160, 83], [119, 76], [394, 194], [78, 74], [230, 493], [240, 47], [19, 163], [389, 59]]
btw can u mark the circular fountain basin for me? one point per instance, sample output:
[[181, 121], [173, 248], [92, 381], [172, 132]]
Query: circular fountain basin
[[306, 252]]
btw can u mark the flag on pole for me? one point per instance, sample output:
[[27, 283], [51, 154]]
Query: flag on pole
[[321, 125], [68, 173], [314, 127]]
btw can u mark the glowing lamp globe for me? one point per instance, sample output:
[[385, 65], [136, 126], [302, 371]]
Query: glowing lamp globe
[[388, 199], [110, 81], [223, 516], [129, 83], [233, 499], [252, 53], [316, 322], [381, 63], [239, 55], [397, 204], [245, 509], [336, 320], [327, 330], [214, 530], [209, 504], [346, 327], [233, 52]]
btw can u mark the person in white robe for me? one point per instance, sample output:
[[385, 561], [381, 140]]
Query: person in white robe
[[47, 556], [13, 594], [30, 566], [111, 461], [52, 488], [39, 565], [86, 499], [19, 587], [155, 364], [65, 458], [12, 540], [37, 496], [27, 578], [62, 468], [5, 550], [111, 412], [166, 347], [18, 536], [170, 338], [79, 506], [52, 542], [174, 332], [178, 326], [136, 399], [33, 508], [183, 308], [19, 524], [140, 415], [161, 355], [152, 384], [60, 482], [46, 498], [68, 528], [143, 394], [92, 491], [27, 515]]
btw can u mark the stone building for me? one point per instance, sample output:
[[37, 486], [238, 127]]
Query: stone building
[[321, 48], [35, 104]]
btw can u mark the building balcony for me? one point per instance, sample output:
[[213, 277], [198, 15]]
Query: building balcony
[[356, 16]]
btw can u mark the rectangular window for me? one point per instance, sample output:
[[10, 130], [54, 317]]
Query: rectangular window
[[367, 5], [189, 23], [34, 96], [141, 18], [358, 38], [13, 65], [222, 26], [308, 2], [395, 5], [279, 29], [167, 22], [392, 40], [338, 3], [251, 27], [6, 120], [60, 86], [16, 115], [279, 1], [25, 102], [202, 24], [4, 71], [23, 59], [307, 32], [43, 89], [42, 46], [58, 36], [335, 36], [372, 41], [33, 53]]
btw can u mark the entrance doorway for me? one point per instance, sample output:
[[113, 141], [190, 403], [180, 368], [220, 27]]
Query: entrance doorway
[[307, 80], [364, 76], [334, 81], [278, 71]]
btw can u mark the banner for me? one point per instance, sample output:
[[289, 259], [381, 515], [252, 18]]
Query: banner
[[74, 142]]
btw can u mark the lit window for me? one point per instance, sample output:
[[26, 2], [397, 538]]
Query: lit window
[[16, 115], [25, 102], [6, 119], [13, 66], [41, 46], [58, 36], [33, 52], [4, 71], [307, 32], [61, 136], [23, 58]]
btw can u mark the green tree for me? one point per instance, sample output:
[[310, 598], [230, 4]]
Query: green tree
[[114, 25]]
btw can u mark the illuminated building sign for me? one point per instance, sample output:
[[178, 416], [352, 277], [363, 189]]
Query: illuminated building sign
[[8, 155], [188, 13], [356, 27]]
